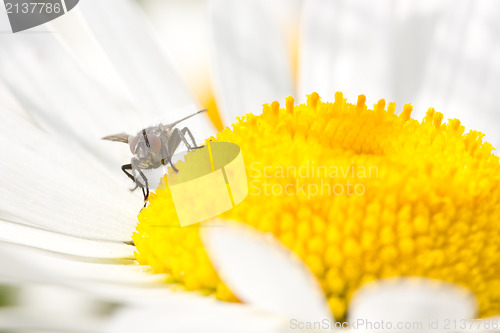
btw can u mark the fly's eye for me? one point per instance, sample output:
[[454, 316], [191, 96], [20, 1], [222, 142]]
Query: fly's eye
[[154, 142], [133, 143]]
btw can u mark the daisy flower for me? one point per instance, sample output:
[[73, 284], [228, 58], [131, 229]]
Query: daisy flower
[[68, 219]]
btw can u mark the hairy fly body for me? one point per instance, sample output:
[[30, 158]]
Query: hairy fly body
[[153, 147]]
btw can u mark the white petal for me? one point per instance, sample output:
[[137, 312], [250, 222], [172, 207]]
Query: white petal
[[215, 317], [446, 53], [363, 47], [50, 186], [410, 300], [121, 282], [129, 284], [9, 102], [263, 273], [113, 280], [64, 301], [182, 26], [75, 35], [463, 74], [346, 46], [133, 49], [141, 61], [23, 320], [147, 294], [250, 57], [60, 97], [26, 265], [414, 24], [16, 233]]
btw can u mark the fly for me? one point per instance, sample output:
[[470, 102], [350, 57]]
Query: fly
[[153, 147]]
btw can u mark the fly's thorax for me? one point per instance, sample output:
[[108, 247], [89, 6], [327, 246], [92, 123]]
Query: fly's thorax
[[150, 162], [165, 135], [148, 177], [154, 149]]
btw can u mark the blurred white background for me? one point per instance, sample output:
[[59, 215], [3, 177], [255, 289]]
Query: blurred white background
[[442, 54]]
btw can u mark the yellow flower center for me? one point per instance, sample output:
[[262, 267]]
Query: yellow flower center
[[358, 194]]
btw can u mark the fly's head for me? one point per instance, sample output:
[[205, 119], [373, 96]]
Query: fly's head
[[146, 146]]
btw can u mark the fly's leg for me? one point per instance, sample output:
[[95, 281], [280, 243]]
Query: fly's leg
[[185, 131], [172, 165], [165, 150], [176, 138], [181, 135], [169, 160], [172, 145], [126, 167], [145, 192]]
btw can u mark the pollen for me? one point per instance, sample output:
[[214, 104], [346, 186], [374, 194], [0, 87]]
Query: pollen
[[359, 194]]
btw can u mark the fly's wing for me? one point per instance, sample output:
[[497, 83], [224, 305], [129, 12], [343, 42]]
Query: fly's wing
[[120, 137], [190, 117], [124, 137], [172, 125]]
